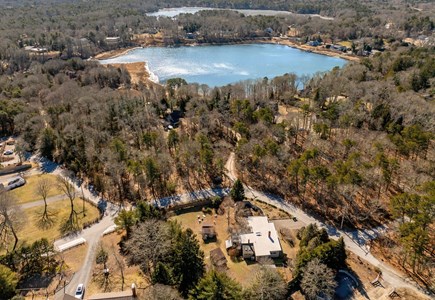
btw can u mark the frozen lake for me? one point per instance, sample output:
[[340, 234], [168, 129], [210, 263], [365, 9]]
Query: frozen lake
[[221, 65]]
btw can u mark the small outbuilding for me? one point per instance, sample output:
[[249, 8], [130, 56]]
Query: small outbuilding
[[218, 260], [208, 231]]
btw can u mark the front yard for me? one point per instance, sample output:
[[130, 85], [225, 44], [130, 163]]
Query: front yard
[[243, 271], [27, 193], [30, 231]]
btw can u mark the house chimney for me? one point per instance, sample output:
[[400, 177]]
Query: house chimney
[[270, 233], [249, 241], [133, 290]]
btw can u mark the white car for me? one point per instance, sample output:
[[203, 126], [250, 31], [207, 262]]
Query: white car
[[16, 182], [80, 291], [8, 152]]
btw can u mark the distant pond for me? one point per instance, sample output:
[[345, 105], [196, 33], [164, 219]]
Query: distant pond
[[175, 11], [221, 65]]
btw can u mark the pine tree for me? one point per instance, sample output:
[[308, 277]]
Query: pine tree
[[216, 286], [188, 261], [125, 221], [8, 282], [237, 192], [162, 274]]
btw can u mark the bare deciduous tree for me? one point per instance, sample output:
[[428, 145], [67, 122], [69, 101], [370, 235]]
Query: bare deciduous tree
[[121, 266], [148, 244], [71, 224], [318, 280], [43, 187], [161, 292], [268, 285], [10, 219]]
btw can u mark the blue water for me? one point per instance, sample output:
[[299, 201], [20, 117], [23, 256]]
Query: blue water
[[345, 287], [221, 65]]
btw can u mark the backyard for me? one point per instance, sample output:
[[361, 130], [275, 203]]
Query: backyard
[[243, 271]]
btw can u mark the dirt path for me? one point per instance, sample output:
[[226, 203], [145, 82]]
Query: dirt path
[[92, 234], [356, 240]]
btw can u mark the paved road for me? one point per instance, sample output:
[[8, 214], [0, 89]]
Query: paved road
[[355, 240], [41, 202], [92, 236]]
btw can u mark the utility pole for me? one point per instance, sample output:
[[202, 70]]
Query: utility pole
[[83, 194]]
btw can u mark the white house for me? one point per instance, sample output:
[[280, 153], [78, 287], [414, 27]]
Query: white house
[[263, 240]]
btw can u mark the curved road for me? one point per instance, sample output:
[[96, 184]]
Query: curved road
[[355, 240]]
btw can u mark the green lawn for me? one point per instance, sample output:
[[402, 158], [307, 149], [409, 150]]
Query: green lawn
[[27, 193], [30, 232]]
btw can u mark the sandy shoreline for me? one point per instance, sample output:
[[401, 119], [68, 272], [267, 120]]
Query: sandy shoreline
[[278, 41], [317, 50], [114, 53], [139, 72]]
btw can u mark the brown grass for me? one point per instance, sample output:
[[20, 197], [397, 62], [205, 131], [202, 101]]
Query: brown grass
[[132, 274], [271, 212], [75, 257], [30, 232], [27, 193], [242, 271]]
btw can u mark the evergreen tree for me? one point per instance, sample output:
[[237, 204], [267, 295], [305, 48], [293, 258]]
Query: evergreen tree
[[188, 261], [237, 192], [8, 282], [125, 221], [216, 286], [162, 274], [102, 257], [145, 211], [47, 143], [173, 139]]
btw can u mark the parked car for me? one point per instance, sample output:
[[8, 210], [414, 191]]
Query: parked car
[[8, 152], [80, 291], [10, 142], [16, 182]]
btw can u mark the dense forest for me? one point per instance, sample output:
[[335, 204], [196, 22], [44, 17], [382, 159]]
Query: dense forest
[[80, 29], [354, 145]]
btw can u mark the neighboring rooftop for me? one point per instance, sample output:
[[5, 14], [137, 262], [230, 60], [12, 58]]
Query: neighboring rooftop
[[68, 297], [125, 295]]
